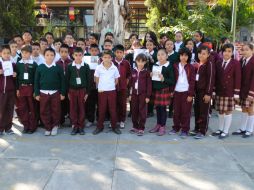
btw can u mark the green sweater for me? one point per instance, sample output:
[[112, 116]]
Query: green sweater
[[49, 79], [84, 75], [21, 69], [169, 78]]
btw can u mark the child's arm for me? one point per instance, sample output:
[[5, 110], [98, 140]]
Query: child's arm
[[37, 84], [63, 84], [149, 87], [237, 82]]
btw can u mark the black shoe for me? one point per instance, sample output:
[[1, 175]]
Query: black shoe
[[193, 133], [31, 131], [74, 131], [97, 131], [129, 115], [81, 132], [247, 134], [25, 131], [9, 132], [239, 132], [217, 133], [117, 131]]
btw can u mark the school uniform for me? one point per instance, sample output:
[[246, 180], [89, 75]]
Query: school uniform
[[78, 76], [49, 84], [152, 58], [178, 46], [141, 88], [7, 98], [185, 86], [205, 76], [173, 57], [65, 103], [125, 74], [107, 93], [25, 84], [39, 59]]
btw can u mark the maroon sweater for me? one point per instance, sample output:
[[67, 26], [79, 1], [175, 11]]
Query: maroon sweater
[[64, 64], [7, 84], [124, 69]]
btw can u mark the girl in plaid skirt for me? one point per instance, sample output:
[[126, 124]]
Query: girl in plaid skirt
[[162, 78], [247, 92], [227, 88]]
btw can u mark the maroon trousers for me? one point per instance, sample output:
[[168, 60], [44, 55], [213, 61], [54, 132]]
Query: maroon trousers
[[64, 110], [201, 113], [139, 111], [121, 105], [26, 108], [7, 101], [90, 105], [77, 107], [182, 112], [107, 100], [50, 110]]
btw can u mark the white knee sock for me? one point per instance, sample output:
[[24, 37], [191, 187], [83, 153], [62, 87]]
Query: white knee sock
[[250, 123], [244, 120], [227, 124], [221, 122]]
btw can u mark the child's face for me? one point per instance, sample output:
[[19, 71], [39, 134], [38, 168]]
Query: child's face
[[92, 40], [203, 56], [190, 45], [94, 51], [27, 37], [36, 51], [19, 41], [78, 57], [25, 55], [140, 64], [247, 52], [64, 53], [162, 56], [43, 45], [169, 46], [132, 39], [148, 36], [108, 46], [57, 46], [227, 54], [109, 38], [163, 39], [69, 39], [184, 58], [150, 46], [14, 48], [197, 37], [50, 39], [81, 44], [106, 58], [49, 57], [6, 54], [119, 54], [179, 37]]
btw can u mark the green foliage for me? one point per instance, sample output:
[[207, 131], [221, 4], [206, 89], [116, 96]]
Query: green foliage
[[16, 16]]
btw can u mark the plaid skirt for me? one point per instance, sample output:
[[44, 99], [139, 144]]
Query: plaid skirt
[[224, 104], [246, 103], [162, 97]]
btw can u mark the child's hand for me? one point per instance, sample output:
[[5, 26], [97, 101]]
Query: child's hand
[[151, 74], [249, 98], [85, 98], [18, 94], [207, 99], [14, 74], [62, 97], [189, 99], [1, 71], [37, 98], [129, 98], [161, 77], [147, 100]]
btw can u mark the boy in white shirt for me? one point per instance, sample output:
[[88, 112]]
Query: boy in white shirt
[[36, 56]]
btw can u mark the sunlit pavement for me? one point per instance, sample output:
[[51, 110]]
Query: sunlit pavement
[[126, 162]]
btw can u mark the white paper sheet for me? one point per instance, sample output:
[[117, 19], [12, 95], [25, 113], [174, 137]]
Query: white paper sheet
[[137, 52], [92, 61], [7, 68], [156, 73]]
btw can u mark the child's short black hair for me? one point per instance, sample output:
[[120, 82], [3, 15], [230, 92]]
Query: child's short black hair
[[151, 42], [27, 48], [58, 40], [203, 47], [107, 52], [141, 57], [81, 39], [12, 42], [64, 46], [27, 31], [17, 36], [109, 41], [187, 52], [109, 34], [5, 46], [78, 50], [43, 40], [133, 34], [94, 46], [96, 36], [36, 44], [119, 47], [50, 49], [228, 46], [251, 46], [163, 35], [49, 33]]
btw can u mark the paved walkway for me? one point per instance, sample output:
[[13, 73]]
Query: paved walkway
[[126, 162]]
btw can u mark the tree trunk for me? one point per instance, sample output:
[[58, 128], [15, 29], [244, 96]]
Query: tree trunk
[[111, 16]]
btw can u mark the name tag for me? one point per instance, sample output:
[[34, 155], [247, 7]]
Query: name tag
[[136, 85], [78, 80], [25, 76], [197, 77]]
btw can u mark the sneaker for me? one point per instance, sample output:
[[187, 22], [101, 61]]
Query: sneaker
[[54, 131], [25, 131], [162, 131], [217, 133], [155, 129], [172, 132], [117, 131], [199, 136], [9, 132], [183, 135], [133, 130], [239, 132], [47, 133], [122, 125], [74, 131], [89, 124], [97, 131], [81, 132], [140, 132], [193, 133], [223, 135], [247, 134]]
